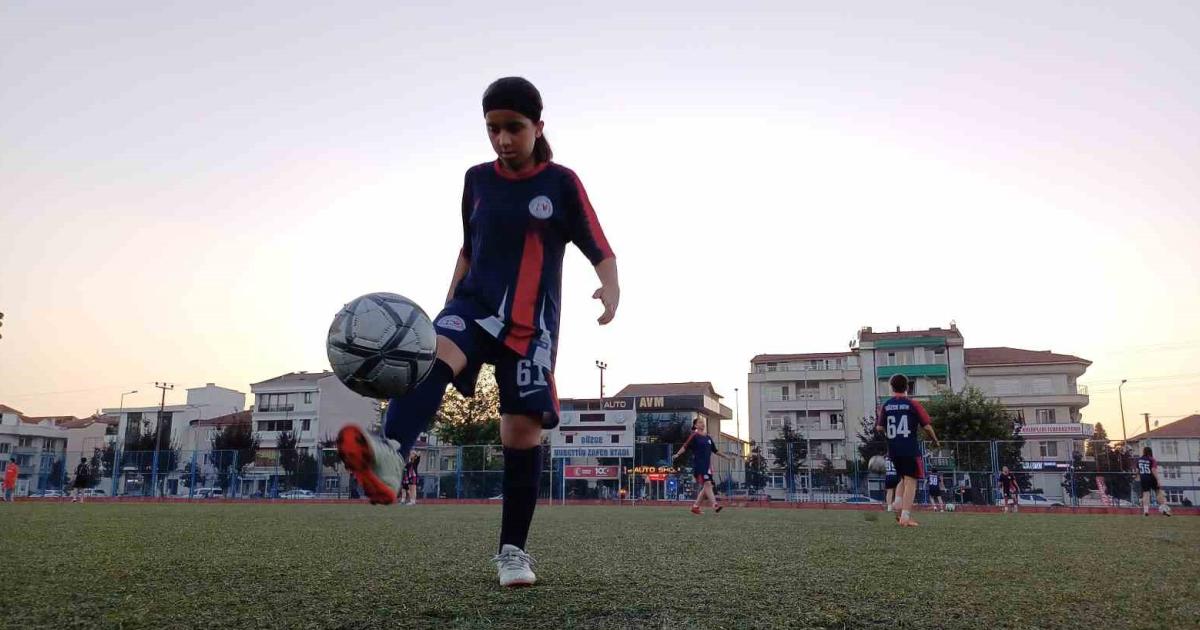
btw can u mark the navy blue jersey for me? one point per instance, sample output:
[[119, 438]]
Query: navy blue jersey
[[1146, 465], [702, 447], [901, 419], [935, 480], [515, 232], [889, 467]]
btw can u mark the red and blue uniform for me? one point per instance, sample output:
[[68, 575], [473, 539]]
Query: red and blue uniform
[[505, 311], [702, 448], [901, 419]]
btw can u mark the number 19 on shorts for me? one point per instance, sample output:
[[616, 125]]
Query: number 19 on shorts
[[897, 427]]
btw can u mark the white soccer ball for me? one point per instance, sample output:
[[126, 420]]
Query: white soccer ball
[[949, 507], [877, 464], [381, 345]]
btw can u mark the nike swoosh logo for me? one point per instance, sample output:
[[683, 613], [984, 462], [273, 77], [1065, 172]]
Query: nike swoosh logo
[[529, 392]]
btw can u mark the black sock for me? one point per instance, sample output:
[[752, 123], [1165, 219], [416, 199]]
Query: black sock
[[522, 476], [410, 414]]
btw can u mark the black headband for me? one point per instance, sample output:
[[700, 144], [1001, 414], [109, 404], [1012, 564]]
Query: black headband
[[516, 94]]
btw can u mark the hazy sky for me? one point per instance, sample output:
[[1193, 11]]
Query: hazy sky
[[189, 192]]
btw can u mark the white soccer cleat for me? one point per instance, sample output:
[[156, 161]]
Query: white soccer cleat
[[374, 461], [514, 567]]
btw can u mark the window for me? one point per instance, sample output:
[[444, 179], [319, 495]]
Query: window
[[837, 450], [783, 393], [775, 422], [1043, 416], [1016, 414], [1170, 472], [273, 402], [306, 424], [24, 441], [447, 463], [274, 425], [4, 447], [890, 359], [1170, 447], [1048, 449], [1043, 386], [331, 484], [939, 356], [1174, 496], [835, 420], [308, 398], [775, 481]]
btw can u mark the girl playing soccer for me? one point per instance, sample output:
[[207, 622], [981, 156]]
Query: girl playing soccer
[[519, 212], [411, 480], [703, 447]]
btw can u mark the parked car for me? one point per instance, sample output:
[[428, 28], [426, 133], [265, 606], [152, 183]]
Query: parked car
[[298, 494], [94, 492], [46, 494], [1027, 498], [209, 493], [862, 499]]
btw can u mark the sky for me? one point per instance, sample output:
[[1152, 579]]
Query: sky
[[190, 191]]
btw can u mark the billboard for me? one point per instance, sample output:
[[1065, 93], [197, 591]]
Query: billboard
[[601, 433]]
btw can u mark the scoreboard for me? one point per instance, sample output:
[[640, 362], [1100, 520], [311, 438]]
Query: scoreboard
[[599, 433]]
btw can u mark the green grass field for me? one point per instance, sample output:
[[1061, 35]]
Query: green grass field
[[354, 566]]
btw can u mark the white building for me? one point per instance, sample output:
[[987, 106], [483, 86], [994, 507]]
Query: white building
[[827, 397], [48, 447], [202, 402], [1177, 448], [312, 407]]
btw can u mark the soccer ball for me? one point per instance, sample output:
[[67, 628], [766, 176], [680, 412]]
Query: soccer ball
[[949, 507], [381, 345], [877, 464]]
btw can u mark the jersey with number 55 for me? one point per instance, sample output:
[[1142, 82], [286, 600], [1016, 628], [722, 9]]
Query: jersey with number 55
[[901, 419]]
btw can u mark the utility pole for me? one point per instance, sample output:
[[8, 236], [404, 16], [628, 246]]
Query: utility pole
[[158, 431], [1124, 437], [1147, 417], [603, 366]]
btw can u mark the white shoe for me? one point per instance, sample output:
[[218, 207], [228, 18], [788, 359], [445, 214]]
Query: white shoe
[[375, 462], [514, 567]]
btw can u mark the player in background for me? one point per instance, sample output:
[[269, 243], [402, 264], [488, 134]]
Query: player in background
[[900, 419], [519, 213], [1148, 472], [703, 448], [935, 490], [411, 480], [890, 481], [83, 480], [1008, 488]]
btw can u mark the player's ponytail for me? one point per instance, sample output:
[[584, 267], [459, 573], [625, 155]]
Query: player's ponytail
[[541, 150]]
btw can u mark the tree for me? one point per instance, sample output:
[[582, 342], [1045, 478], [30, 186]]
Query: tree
[[234, 448], [870, 442], [472, 423], [140, 456], [825, 476], [788, 450], [970, 416], [756, 468], [57, 478], [289, 456]]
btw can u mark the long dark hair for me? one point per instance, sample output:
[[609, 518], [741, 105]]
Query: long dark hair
[[541, 150]]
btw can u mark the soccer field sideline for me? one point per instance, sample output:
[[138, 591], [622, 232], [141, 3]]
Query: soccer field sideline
[[682, 504]]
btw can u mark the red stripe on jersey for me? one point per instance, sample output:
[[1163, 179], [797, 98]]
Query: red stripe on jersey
[[516, 177], [529, 284], [593, 223], [920, 467]]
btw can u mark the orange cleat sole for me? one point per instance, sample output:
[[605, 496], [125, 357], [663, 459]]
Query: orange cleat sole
[[354, 449]]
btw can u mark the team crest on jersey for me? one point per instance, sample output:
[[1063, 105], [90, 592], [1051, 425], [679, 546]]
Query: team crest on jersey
[[452, 322], [540, 207]]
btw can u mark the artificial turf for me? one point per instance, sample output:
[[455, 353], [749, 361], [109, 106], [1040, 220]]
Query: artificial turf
[[356, 566]]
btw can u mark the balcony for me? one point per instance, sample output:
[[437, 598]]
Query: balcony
[[1064, 429], [790, 376], [835, 435], [275, 408], [1074, 401], [794, 403], [928, 369]]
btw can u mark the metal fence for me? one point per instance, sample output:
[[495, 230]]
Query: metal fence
[[1070, 473]]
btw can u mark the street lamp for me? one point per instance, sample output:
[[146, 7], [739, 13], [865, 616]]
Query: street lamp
[[1121, 398], [603, 366]]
